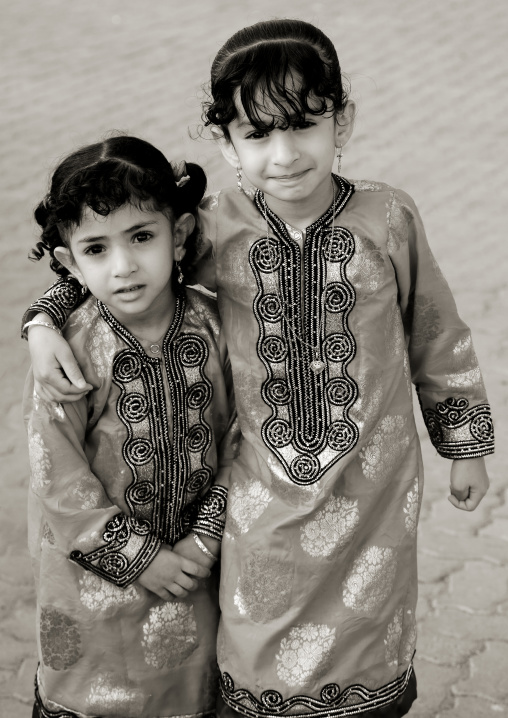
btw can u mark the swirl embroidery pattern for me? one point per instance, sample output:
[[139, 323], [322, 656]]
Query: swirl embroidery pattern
[[458, 432], [309, 428], [332, 703], [167, 471]]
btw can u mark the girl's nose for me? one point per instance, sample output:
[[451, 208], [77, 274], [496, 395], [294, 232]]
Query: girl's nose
[[124, 263], [285, 149]]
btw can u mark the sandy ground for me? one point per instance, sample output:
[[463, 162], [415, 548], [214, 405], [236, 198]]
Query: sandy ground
[[431, 82]]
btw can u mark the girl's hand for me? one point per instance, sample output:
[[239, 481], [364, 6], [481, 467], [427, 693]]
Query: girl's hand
[[469, 483], [188, 547], [170, 575], [57, 374]]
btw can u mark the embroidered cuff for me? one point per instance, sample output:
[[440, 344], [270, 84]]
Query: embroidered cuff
[[59, 301], [458, 432], [129, 548], [212, 513]]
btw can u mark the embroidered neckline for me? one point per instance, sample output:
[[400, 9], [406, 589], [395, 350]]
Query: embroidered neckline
[[345, 190], [130, 339]]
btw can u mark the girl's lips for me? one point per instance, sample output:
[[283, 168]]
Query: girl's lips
[[128, 290], [295, 175]]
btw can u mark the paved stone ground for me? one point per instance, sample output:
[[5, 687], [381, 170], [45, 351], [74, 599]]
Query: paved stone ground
[[431, 82]]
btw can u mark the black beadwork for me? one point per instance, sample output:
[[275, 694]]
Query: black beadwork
[[332, 703], [168, 469], [458, 432], [310, 412]]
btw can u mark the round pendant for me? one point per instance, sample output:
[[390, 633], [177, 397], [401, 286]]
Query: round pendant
[[155, 348], [317, 366]]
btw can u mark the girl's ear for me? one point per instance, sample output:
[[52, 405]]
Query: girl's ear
[[184, 226], [64, 256], [228, 150], [344, 124]]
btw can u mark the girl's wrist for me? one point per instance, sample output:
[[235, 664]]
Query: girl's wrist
[[40, 323]]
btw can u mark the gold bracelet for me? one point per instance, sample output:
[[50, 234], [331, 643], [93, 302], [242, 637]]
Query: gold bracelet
[[38, 323], [203, 548]]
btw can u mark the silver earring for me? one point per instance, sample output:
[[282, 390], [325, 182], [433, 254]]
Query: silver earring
[[339, 158], [239, 178], [180, 273]]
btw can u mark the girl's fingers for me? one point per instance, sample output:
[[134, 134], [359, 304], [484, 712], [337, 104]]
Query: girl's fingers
[[194, 569], [177, 590]]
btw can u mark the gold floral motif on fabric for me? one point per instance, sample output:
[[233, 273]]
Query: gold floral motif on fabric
[[53, 409], [40, 463], [399, 218], [305, 653], [60, 639], [394, 331], [408, 640], [385, 449], [170, 635], [88, 490], [111, 695], [392, 640], [100, 595], [101, 344], [264, 588], [425, 325], [370, 579], [411, 509], [365, 410], [332, 528], [48, 537], [365, 269], [246, 503]]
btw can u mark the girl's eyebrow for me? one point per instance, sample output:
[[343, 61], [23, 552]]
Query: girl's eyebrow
[[102, 237]]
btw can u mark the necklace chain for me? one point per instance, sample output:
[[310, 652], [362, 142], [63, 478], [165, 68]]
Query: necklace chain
[[317, 365]]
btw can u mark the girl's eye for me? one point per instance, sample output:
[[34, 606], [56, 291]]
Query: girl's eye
[[256, 135], [142, 237], [94, 249], [304, 125]]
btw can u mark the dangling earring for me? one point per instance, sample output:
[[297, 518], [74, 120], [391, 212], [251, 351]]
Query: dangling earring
[[239, 178], [84, 288], [339, 158], [180, 273]]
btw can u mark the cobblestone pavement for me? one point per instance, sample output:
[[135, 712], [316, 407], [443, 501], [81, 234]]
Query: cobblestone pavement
[[431, 83]]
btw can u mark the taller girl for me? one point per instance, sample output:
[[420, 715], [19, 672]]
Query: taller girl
[[331, 303]]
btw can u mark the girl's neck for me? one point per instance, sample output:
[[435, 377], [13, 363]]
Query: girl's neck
[[302, 213], [152, 324]]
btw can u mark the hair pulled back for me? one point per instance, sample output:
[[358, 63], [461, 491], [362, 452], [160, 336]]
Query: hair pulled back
[[288, 67], [107, 175]]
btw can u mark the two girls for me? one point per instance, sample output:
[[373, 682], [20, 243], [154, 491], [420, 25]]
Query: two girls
[[331, 304]]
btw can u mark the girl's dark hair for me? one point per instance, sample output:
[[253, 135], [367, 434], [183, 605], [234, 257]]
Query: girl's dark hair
[[287, 66], [104, 177]]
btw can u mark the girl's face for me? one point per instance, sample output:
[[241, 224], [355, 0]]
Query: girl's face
[[290, 166], [126, 259]]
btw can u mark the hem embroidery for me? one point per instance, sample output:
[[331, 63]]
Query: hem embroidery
[[332, 701], [458, 432]]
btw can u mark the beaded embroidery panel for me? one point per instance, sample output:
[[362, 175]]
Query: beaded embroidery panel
[[332, 703], [309, 428], [460, 432], [169, 472]]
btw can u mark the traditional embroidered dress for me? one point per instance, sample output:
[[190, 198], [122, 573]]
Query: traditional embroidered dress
[[141, 460], [319, 586]]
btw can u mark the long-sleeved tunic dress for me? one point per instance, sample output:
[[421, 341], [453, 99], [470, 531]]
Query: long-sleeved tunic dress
[[140, 461], [326, 330]]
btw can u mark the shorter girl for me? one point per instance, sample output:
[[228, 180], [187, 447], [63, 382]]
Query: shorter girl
[[128, 485]]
